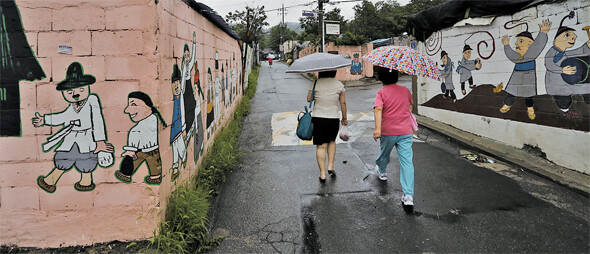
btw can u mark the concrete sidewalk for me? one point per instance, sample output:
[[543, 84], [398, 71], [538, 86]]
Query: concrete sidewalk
[[274, 203]]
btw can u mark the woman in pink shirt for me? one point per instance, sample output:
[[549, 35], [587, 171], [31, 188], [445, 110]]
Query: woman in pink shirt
[[393, 106]]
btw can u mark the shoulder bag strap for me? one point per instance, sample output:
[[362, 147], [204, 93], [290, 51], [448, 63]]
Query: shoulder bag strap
[[312, 93]]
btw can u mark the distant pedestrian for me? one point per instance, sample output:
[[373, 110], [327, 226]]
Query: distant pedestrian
[[326, 120], [270, 61], [393, 106]]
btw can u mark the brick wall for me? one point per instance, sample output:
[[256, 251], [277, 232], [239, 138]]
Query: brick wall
[[127, 46]]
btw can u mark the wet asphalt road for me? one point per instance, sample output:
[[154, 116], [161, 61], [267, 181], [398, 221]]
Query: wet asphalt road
[[275, 203]]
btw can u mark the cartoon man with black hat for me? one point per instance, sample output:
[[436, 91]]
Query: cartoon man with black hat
[[82, 140], [465, 67], [177, 132], [523, 81], [142, 140], [555, 84], [447, 74]]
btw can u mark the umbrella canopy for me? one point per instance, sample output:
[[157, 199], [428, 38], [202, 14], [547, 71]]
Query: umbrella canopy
[[318, 62], [403, 59]]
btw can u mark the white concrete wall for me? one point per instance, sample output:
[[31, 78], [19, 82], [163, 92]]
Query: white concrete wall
[[567, 147]]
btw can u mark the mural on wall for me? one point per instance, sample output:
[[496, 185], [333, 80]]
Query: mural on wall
[[17, 62], [142, 140], [218, 102], [177, 130], [465, 66], [560, 99], [447, 86], [188, 97], [567, 70], [197, 128], [81, 143], [357, 67], [523, 81], [210, 103]]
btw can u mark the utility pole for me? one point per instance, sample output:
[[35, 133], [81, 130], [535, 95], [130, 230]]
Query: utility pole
[[282, 30], [321, 22]]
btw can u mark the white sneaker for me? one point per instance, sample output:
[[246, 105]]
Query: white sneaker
[[382, 176], [407, 200]]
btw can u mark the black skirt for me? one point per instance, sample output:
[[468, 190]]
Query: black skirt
[[325, 130]]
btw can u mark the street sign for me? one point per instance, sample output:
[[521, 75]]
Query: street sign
[[307, 14], [332, 28], [281, 48]]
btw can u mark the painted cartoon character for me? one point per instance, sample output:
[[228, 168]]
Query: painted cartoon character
[[188, 96], [142, 140], [224, 97], [227, 87], [447, 75], [198, 125], [210, 103], [465, 67], [218, 94], [523, 81], [83, 136], [177, 131], [357, 67], [555, 84]]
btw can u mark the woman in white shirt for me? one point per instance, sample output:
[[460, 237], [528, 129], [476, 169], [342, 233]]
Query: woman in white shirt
[[329, 92]]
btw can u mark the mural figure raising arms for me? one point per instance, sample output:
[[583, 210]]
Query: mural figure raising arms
[[523, 81]]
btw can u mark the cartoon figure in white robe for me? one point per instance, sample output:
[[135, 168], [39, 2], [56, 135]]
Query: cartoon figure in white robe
[[82, 140]]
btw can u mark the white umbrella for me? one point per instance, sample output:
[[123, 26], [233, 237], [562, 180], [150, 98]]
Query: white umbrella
[[318, 62]]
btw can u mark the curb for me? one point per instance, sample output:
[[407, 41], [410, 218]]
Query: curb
[[577, 181]]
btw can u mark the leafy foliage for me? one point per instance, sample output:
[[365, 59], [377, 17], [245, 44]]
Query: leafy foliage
[[273, 39], [383, 19], [248, 24]]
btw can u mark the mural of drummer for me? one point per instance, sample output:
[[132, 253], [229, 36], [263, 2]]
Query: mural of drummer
[[465, 67], [83, 136], [523, 81], [562, 67]]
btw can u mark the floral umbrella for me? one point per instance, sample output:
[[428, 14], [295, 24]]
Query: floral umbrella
[[403, 59]]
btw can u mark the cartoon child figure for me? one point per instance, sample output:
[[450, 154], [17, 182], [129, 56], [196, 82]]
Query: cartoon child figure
[[210, 103], [142, 140], [83, 135], [177, 132], [465, 67], [198, 123], [447, 75], [523, 81], [357, 67], [555, 84]]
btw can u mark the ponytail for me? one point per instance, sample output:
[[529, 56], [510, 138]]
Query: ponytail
[[157, 113]]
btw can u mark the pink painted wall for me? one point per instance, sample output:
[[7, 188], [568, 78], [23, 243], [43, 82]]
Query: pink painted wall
[[127, 46], [344, 74]]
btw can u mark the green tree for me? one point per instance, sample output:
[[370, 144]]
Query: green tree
[[249, 23], [273, 39], [311, 29]]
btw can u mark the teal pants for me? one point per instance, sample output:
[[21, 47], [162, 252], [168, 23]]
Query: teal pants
[[403, 145]]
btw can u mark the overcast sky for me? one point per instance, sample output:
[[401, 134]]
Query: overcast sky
[[291, 15]]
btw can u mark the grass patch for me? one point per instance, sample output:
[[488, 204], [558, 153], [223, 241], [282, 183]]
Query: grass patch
[[186, 228]]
